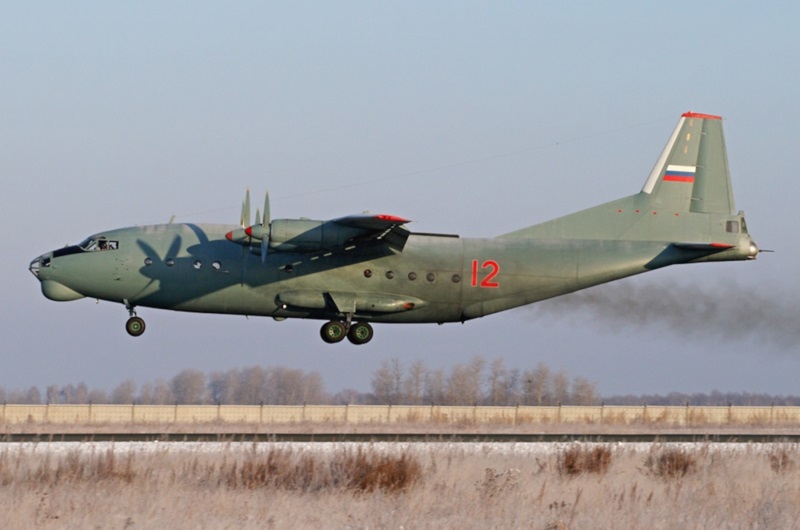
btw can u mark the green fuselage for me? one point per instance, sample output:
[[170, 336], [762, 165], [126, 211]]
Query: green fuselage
[[188, 267]]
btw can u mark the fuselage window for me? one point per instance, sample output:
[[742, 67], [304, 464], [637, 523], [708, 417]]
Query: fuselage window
[[216, 265], [197, 264], [148, 261], [170, 262]]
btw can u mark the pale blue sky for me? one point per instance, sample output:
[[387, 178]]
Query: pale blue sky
[[469, 118]]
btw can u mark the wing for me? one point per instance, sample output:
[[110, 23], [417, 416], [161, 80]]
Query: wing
[[387, 229]]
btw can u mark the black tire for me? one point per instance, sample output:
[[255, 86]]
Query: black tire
[[332, 332], [360, 333], [134, 326]]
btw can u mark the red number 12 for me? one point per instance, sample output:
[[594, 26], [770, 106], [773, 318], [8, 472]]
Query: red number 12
[[487, 281]]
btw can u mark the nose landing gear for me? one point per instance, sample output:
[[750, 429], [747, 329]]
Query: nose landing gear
[[135, 325], [335, 331]]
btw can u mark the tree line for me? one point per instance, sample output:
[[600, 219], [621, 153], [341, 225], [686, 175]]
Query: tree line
[[248, 386], [476, 382]]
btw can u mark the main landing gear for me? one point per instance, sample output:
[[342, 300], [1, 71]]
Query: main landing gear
[[357, 332], [135, 325]]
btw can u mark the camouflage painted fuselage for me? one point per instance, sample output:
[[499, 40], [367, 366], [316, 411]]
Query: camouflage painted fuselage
[[683, 214]]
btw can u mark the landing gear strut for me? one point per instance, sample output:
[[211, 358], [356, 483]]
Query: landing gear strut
[[357, 332], [135, 325]]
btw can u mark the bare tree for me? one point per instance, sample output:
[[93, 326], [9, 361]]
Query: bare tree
[[124, 393], [537, 386], [384, 383], [251, 387], [145, 394], [313, 389], [222, 386], [162, 393], [498, 384], [98, 395], [348, 396], [189, 387], [81, 393], [561, 388], [513, 385], [52, 395], [584, 392], [435, 387], [464, 383], [414, 383], [32, 396]]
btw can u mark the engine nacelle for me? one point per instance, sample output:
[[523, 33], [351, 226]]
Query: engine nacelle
[[308, 235]]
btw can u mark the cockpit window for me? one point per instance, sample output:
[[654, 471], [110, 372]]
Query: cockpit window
[[98, 244]]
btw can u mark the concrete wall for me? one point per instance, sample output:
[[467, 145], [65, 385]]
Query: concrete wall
[[377, 414]]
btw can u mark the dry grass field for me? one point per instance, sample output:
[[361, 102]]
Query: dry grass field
[[400, 486]]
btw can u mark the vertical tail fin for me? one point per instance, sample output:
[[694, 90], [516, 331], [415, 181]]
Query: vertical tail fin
[[692, 175], [687, 200]]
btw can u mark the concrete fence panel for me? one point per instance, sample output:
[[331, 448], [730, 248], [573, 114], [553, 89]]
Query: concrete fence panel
[[379, 414]]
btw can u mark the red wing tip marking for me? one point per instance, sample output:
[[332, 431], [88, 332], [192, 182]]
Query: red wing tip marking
[[721, 245], [392, 218], [248, 231], [699, 115], [229, 236]]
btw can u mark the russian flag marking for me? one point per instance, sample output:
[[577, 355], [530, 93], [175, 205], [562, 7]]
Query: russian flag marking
[[675, 173]]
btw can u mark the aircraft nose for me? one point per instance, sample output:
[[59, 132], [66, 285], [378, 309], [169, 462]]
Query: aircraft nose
[[39, 263]]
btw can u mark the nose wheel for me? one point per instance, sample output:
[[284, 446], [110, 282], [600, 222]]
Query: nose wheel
[[357, 332], [135, 325]]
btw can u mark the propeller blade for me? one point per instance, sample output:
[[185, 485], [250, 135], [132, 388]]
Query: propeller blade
[[245, 219], [265, 223]]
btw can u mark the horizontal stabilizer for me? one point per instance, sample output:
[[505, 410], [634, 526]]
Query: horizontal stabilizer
[[703, 246]]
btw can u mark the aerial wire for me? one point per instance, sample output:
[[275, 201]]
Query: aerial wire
[[451, 165]]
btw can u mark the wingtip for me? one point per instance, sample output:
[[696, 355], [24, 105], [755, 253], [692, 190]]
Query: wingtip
[[392, 218]]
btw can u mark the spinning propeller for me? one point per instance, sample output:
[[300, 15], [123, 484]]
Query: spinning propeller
[[259, 231]]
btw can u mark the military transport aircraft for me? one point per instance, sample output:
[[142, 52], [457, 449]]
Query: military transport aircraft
[[360, 269]]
